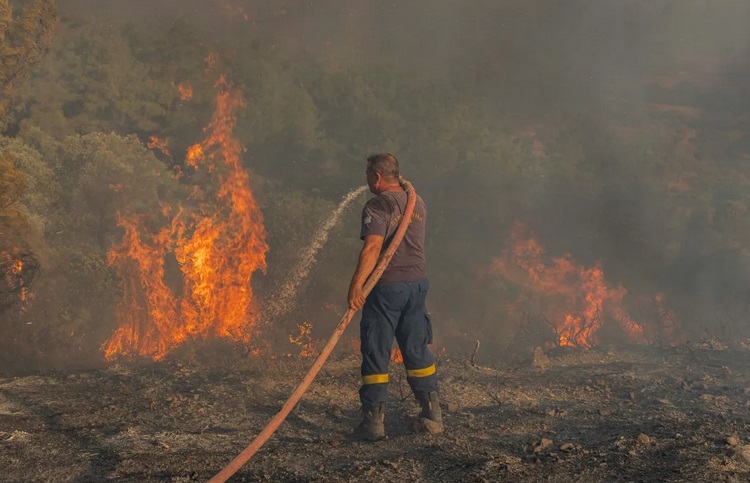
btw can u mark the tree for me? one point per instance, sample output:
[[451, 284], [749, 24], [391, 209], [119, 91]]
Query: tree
[[24, 39], [18, 265], [75, 188]]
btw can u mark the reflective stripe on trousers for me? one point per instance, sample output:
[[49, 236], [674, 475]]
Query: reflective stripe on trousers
[[396, 310]]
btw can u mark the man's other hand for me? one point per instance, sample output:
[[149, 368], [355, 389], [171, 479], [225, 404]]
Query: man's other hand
[[356, 297]]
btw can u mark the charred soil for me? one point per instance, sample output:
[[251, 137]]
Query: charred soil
[[629, 414]]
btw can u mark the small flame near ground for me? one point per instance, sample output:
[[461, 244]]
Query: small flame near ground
[[308, 347], [218, 245], [580, 300], [396, 355]]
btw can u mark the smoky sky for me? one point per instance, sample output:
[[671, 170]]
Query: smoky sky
[[512, 58], [599, 41], [520, 61]]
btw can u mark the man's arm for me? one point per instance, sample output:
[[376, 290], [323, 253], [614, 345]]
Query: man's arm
[[368, 258]]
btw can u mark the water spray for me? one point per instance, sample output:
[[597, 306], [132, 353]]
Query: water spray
[[279, 418], [284, 301]]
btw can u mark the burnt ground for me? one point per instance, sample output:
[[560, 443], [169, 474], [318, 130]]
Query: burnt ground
[[634, 414]]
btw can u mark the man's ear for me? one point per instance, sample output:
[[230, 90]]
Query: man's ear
[[378, 179]]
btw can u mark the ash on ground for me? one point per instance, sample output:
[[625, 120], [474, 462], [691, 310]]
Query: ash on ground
[[635, 414]]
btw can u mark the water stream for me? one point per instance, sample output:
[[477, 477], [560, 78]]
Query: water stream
[[284, 301]]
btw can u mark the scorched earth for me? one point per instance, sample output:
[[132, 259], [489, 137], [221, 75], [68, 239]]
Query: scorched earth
[[621, 414]]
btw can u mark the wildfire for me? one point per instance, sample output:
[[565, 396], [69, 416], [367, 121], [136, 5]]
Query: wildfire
[[17, 270], [218, 246], [307, 345], [160, 144], [186, 91], [397, 356], [148, 313], [580, 298]]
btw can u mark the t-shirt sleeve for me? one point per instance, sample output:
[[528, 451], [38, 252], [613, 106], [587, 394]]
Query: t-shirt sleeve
[[374, 220]]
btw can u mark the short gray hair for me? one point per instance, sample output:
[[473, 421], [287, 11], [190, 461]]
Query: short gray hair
[[385, 164]]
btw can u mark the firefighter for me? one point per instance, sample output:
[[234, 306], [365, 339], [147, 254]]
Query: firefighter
[[396, 305]]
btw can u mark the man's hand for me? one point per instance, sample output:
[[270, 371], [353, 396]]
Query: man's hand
[[368, 258], [356, 297]]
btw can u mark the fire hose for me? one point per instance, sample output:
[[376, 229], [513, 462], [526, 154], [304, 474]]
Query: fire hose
[[279, 418]]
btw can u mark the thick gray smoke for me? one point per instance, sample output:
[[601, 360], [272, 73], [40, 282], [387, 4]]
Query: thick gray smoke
[[616, 131]]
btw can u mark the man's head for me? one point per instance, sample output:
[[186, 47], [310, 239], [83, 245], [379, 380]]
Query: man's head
[[382, 172]]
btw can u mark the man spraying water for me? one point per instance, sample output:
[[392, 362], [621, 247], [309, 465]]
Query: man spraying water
[[396, 305], [372, 428]]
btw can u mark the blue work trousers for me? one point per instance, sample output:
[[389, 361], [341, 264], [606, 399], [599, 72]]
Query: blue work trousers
[[396, 310]]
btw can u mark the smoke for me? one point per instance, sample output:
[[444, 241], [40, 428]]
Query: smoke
[[615, 130], [515, 56]]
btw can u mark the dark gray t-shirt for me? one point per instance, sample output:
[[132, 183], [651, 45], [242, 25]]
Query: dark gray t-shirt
[[381, 216]]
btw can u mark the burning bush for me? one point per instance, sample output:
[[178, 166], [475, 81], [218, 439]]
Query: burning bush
[[575, 301]]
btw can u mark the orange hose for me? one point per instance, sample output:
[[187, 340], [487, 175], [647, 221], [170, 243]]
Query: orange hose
[[271, 427]]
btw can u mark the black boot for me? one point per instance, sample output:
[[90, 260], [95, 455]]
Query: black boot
[[430, 420], [372, 427]]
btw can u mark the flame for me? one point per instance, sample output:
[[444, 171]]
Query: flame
[[148, 313], [186, 91], [160, 144], [396, 355], [16, 269], [307, 345], [194, 155], [219, 246], [16, 280], [581, 298]]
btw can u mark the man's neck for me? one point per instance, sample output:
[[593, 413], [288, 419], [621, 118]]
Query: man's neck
[[391, 187]]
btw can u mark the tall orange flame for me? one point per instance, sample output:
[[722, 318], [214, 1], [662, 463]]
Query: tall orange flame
[[219, 246], [583, 298], [230, 245], [148, 315]]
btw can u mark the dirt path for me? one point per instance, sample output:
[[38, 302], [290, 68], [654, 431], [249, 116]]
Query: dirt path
[[639, 414]]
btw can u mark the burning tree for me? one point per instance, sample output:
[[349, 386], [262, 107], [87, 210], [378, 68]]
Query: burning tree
[[219, 242], [19, 269], [24, 38], [578, 300], [19, 266]]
